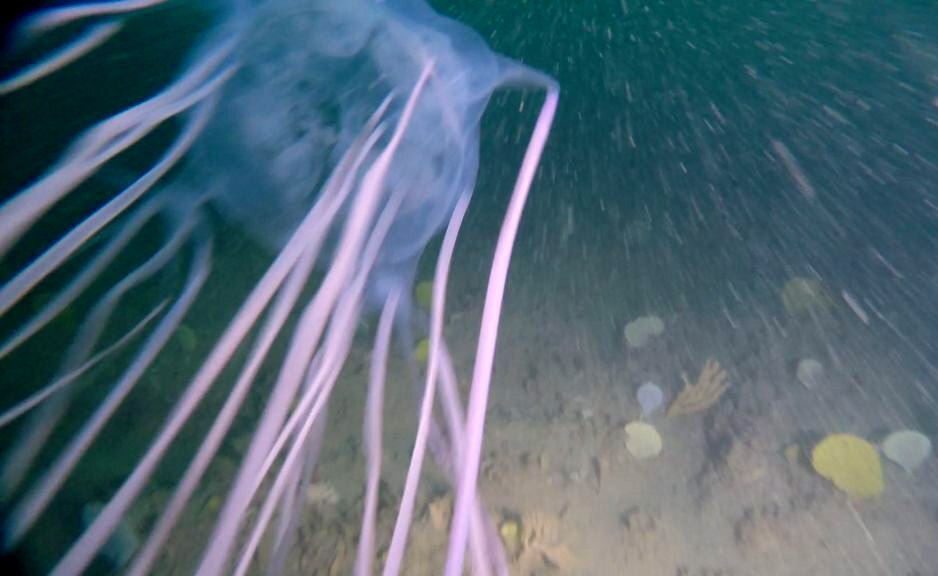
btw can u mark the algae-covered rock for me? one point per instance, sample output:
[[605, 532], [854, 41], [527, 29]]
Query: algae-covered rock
[[851, 463], [642, 440], [907, 448]]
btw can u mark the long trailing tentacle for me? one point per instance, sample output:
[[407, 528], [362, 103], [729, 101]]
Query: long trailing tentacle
[[97, 534], [446, 449], [335, 351], [481, 525], [402, 524], [193, 94], [309, 236], [91, 39], [306, 338], [292, 507], [42, 424], [55, 17], [32, 505], [485, 353], [11, 414], [46, 20], [109, 138], [372, 433], [77, 237], [79, 555], [127, 231]]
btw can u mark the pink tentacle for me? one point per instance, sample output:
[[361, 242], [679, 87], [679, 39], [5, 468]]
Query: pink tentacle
[[405, 513], [61, 58], [485, 353], [87, 546], [53, 18], [305, 339], [21, 408], [372, 433]]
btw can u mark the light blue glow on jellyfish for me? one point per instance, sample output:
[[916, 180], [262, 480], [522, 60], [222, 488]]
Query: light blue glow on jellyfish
[[343, 135]]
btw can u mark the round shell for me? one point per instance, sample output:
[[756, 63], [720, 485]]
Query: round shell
[[851, 463], [640, 330], [642, 440], [810, 373], [650, 398], [907, 448]]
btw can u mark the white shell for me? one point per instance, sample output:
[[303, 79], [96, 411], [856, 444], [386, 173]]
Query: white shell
[[907, 448], [638, 331], [810, 373]]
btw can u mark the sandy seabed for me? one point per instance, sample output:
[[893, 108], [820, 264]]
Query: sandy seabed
[[724, 497]]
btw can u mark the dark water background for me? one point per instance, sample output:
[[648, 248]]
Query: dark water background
[[663, 187]]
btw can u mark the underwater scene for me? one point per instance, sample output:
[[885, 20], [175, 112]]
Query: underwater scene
[[254, 257]]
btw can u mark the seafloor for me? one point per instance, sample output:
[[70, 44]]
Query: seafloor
[[722, 498]]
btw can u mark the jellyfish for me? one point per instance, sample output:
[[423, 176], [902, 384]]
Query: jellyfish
[[343, 137]]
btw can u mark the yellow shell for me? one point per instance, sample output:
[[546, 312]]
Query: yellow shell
[[851, 463], [422, 351], [642, 440], [423, 294], [509, 531], [213, 503]]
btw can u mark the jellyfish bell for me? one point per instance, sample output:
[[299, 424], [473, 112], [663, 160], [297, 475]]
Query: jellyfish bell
[[319, 70], [342, 135]]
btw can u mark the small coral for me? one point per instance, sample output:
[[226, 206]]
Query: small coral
[[439, 512], [541, 546], [696, 397]]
